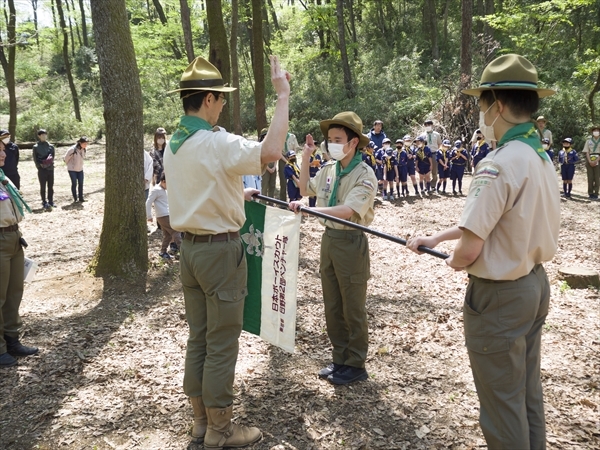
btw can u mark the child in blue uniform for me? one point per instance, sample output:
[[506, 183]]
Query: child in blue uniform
[[549, 150], [424, 162], [368, 157], [390, 170], [315, 166], [379, 153], [443, 162], [458, 158], [411, 153], [402, 155], [567, 158], [292, 175], [480, 149]]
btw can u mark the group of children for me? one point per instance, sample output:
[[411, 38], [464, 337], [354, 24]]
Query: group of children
[[413, 157]]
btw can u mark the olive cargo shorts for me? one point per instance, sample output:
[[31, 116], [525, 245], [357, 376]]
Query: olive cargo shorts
[[345, 270], [214, 276], [503, 331]]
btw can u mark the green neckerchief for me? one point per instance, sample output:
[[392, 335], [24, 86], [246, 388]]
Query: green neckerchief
[[188, 125], [339, 173], [527, 134], [14, 193]]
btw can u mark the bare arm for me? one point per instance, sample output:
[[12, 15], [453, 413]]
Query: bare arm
[[305, 168], [275, 139]]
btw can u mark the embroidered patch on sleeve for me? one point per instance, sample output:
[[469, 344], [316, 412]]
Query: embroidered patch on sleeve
[[487, 171], [368, 184]]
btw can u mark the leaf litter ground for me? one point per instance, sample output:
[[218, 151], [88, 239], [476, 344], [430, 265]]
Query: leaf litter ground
[[110, 368]]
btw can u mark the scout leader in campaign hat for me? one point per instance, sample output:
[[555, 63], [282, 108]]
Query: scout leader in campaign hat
[[350, 120], [509, 72], [201, 75]]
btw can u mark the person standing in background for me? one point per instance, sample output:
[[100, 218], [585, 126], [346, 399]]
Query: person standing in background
[[12, 159], [269, 177], [591, 150], [74, 159], [434, 142], [43, 156]]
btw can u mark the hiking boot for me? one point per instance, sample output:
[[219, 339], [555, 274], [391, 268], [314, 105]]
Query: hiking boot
[[6, 360], [15, 348], [164, 255], [330, 369], [347, 375], [45, 205], [222, 433], [200, 419], [52, 204], [81, 199]]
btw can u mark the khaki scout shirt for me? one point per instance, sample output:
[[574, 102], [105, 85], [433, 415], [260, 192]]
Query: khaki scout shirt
[[592, 147], [356, 190], [9, 214], [514, 206], [204, 180]]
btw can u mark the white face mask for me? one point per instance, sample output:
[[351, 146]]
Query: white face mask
[[160, 141], [428, 128], [487, 130], [545, 146], [595, 134], [6, 140], [336, 151]]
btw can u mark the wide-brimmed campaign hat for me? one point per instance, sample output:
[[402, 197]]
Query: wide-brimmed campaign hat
[[509, 72], [350, 120], [595, 127], [201, 75]]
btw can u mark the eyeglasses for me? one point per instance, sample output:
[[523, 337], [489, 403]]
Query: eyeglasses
[[222, 97]]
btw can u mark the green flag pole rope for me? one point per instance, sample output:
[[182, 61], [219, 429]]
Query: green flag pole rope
[[389, 237]]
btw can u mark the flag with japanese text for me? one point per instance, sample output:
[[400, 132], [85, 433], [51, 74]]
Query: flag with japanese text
[[271, 238]]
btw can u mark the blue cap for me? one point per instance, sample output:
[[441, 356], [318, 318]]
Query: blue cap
[[447, 142], [290, 154], [569, 140], [458, 143], [371, 144]]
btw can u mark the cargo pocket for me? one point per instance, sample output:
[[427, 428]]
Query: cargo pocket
[[490, 359], [231, 308]]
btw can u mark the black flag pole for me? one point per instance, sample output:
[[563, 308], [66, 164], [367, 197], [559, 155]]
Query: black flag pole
[[321, 215]]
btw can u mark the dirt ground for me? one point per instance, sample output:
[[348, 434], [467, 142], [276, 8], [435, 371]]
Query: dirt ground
[[110, 368]]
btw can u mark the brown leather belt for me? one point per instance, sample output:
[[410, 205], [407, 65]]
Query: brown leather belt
[[221, 237], [9, 229]]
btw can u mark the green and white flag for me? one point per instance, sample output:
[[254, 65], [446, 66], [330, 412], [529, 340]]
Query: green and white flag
[[271, 237]]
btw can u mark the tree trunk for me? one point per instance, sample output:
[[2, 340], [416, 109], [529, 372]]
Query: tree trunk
[[446, 11], [342, 40], [70, 25], [63, 26], [235, 69], [77, 30], [258, 66], [353, 28], [488, 31], [54, 19], [219, 49], [160, 11], [431, 21], [34, 6], [186, 24], [123, 247], [594, 91], [273, 15], [83, 24], [8, 66]]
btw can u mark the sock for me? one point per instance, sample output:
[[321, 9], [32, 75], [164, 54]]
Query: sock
[[570, 187], [421, 185], [429, 185], [398, 190], [416, 189], [454, 185], [565, 188], [439, 184], [444, 186], [460, 185]]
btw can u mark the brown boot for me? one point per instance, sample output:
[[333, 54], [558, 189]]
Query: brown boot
[[200, 420], [222, 433]]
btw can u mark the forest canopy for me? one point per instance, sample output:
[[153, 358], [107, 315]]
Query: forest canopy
[[401, 62]]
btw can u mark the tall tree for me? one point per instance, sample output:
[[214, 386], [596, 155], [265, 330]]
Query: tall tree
[[70, 27], [8, 65], [123, 247], [431, 25], [63, 26], [83, 24], [258, 66], [350, 93], [219, 49], [34, 6], [464, 106], [186, 24], [235, 67], [163, 19]]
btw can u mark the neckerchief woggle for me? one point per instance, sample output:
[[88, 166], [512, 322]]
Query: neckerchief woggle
[[527, 134], [14, 193], [339, 173], [187, 126]]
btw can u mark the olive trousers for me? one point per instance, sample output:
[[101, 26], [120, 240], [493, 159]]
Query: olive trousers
[[214, 277], [12, 269], [345, 270], [593, 176], [503, 332]]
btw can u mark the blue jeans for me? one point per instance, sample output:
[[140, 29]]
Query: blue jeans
[[76, 178]]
